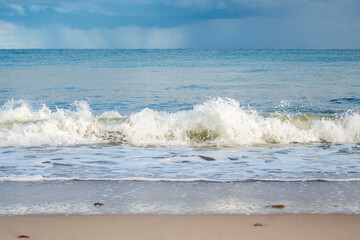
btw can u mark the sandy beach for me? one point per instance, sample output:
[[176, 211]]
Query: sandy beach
[[171, 227], [174, 210]]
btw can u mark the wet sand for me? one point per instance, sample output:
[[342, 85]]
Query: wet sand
[[171, 227], [178, 198]]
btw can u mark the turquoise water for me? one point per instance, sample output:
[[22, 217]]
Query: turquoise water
[[171, 80], [180, 115]]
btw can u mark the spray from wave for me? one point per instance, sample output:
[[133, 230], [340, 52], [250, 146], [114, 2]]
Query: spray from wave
[[217, 122]]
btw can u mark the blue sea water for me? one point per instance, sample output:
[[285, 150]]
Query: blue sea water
[[180, 115]]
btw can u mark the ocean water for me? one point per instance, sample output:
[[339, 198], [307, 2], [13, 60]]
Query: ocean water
[[180, 115]]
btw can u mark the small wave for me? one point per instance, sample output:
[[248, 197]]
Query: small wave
[[345, 100], [39, 178], [217, 122]]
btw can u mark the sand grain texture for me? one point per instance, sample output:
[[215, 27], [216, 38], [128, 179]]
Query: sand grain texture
[[172, 227]]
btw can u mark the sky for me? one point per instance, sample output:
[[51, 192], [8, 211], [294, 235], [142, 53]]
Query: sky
[[214, 24]]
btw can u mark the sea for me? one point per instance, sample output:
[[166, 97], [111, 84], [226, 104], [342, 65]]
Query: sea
[[179, 116]]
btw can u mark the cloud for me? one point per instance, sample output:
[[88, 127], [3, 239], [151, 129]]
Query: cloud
[[81, 7], [14, 36], [121, 37], [19, 9], [199, 5], [149, 13], [37, 8], [17, 36], [296, 32], [180, 24], [315, 32], [167, 13]]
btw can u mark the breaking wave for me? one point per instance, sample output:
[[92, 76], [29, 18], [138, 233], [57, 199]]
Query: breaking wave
[[217, 122]]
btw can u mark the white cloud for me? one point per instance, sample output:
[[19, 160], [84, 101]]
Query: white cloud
[[19, 9], [14, 36], [199, 5], [82, 6], [37, 8]]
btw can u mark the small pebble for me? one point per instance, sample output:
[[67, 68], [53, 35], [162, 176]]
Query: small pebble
[[278, 206], [258, 225]]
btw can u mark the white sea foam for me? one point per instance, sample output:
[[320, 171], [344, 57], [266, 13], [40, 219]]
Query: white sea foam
[[39, 178], [220, 122]]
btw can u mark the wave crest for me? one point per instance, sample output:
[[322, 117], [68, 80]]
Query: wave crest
[[219, 122]]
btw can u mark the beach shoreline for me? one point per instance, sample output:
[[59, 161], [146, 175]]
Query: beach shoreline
[[178, 143], [270, 226]]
